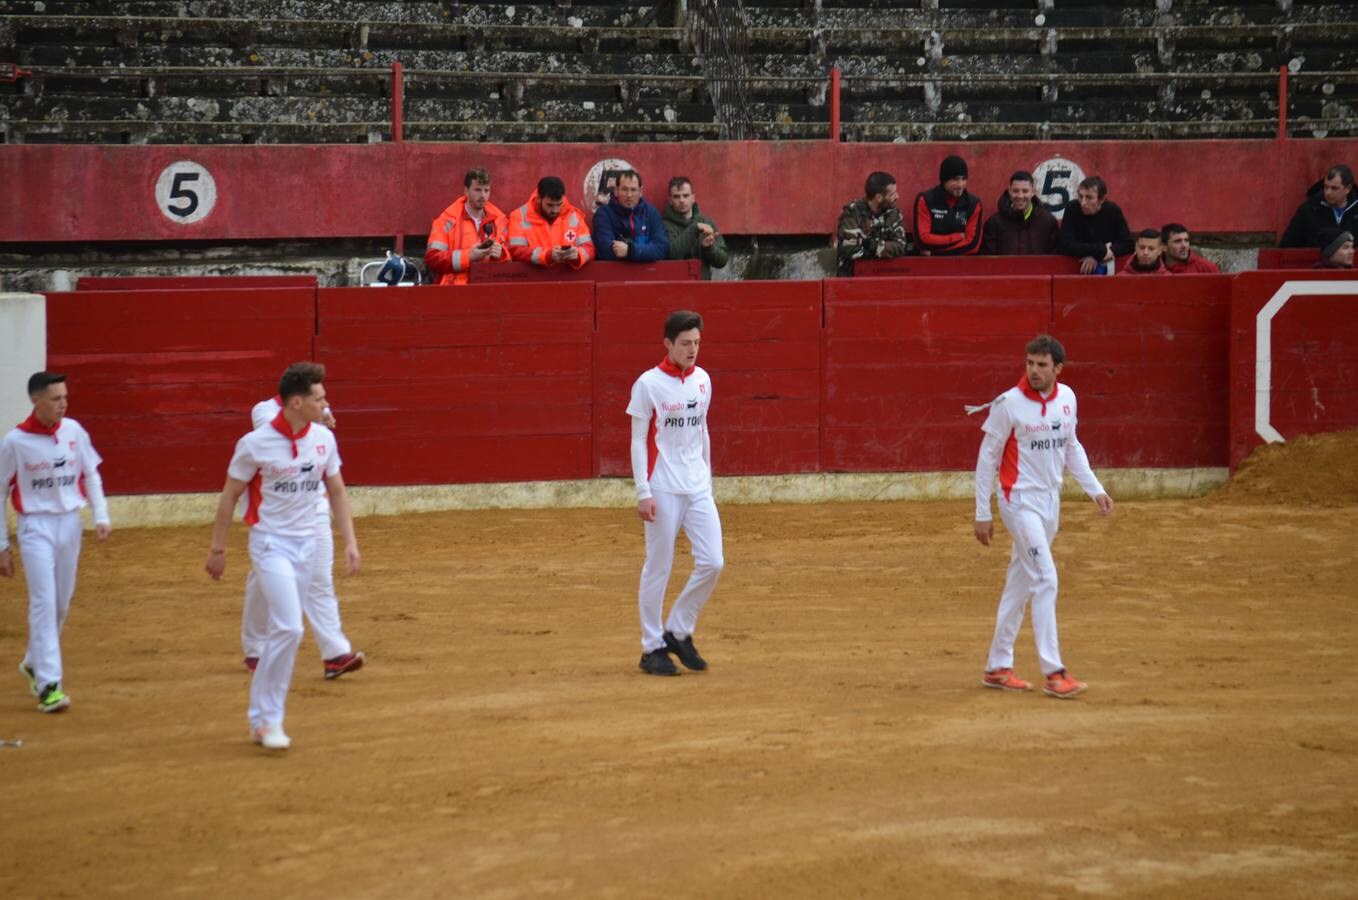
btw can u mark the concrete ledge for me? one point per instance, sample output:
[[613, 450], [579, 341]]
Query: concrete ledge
[[150, 510]]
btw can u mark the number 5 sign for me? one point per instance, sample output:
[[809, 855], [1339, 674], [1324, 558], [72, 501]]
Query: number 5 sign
[[185, 192], [1057, 179]]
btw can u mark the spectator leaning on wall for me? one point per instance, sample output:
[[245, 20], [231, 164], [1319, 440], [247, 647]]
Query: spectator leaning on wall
[[947, 218], [692, 235], [471, 230], [1330, 203], [1022, 226], [1179, 256], [548, 231], [628, 228], [1094, 230], [871, 227]]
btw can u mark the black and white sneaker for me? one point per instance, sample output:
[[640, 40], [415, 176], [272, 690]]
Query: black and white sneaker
[[687, 653], [657, 662]]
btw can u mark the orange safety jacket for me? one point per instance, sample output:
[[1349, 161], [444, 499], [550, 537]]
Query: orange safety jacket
[[532, 238], [448, 254]]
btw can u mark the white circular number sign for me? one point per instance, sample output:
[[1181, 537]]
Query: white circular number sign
[[185, 192], [599, 182], [1057, 178]]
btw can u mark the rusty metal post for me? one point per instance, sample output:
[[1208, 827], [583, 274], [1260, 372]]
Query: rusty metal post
[[834, 104], [1282, 103], [398, 91]]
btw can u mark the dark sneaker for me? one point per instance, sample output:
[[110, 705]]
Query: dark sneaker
[[252, 662], [687, 653], [657, 662], [52, 699], [348, 662], [31, 677]]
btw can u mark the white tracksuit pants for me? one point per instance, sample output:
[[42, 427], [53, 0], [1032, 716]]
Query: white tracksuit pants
[[697, 515], [50, 546], [283, 571], [320, 604], [1032, 518]]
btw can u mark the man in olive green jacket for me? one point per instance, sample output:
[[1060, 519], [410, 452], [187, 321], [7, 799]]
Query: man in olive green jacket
[[692, 235]]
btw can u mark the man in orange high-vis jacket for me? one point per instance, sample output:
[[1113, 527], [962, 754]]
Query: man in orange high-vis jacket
[[548, 230], [471, 230]]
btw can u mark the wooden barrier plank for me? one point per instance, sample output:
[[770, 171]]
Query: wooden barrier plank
[[482, 383], [904, 355], [1151, 353], [761, 346], [165, 379], [606, 271]]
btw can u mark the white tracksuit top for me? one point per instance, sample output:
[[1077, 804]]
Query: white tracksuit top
[[52, 472], [675, 404], [1031, 440]]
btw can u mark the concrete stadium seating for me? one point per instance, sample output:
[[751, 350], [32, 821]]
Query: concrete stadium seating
[[319, 70]]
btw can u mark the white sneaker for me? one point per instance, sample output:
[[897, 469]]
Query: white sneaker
[[271, 737]]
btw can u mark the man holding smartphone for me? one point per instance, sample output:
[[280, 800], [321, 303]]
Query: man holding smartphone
[[548, 230], [471, 230]]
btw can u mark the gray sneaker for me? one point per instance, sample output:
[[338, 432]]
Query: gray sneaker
[[657, 662]]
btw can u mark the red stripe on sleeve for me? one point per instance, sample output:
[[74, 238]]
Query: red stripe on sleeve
[[14, 497]]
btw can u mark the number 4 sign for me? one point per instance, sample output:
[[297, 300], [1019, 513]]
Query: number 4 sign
[[185, 192]]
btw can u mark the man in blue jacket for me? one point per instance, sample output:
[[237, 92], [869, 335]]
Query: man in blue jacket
[[629, 228]]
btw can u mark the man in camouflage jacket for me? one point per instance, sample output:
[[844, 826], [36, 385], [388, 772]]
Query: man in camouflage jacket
[[871, 227]]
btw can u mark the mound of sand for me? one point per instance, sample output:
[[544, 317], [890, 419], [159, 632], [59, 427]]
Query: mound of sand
[[1312, 470]]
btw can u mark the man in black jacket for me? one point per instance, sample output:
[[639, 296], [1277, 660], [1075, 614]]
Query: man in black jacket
[[948, 217], [1331, 203], [1095, 230], [1022, 225]]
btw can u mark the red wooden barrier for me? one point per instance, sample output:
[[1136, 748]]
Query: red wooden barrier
[[189, 282], [665, 270], [967, 265], [1288, 258], [78, 193], [1311, 369], [460, 384], [164, 380], [1149, 366], [761, 344], [903, 356]]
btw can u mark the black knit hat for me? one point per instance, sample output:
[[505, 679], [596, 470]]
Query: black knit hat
[[952, 167], [1334, 239]]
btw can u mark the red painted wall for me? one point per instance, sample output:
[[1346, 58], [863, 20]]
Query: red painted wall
[[80, 193], [1314, 360], [904, 355], [761, 344], [164, 380], [1150, 366], [530, 381], [460, 384]]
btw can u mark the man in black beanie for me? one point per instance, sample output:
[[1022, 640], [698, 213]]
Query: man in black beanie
[[947, 218], [1337, 251], [1094, 229]]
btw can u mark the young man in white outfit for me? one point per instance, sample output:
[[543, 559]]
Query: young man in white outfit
[[50, 469], [1030, 440], [672, 467], [320, 604], [283, 465]]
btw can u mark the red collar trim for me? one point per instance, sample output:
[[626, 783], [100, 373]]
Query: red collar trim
[[278, 398], [1034, 396], [33, 426], [670, 368], [281, 425]]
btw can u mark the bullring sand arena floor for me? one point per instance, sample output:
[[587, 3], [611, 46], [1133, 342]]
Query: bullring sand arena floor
[[501, 743]]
